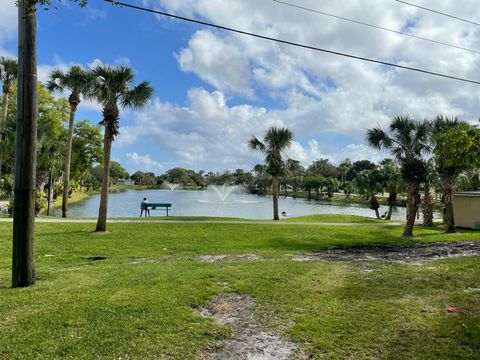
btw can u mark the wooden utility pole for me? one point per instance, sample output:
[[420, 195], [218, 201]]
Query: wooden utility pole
[[23, 260]]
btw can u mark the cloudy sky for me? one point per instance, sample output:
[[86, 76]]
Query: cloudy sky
[[215, 89]]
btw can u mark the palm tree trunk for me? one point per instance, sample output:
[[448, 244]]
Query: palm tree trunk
[[374, 205], [412, 207], [448, 184], [427, 208], [3, 119], [392, 201], [102, 211], [68, 160], [49, 193], [275, 197], [23, 255]]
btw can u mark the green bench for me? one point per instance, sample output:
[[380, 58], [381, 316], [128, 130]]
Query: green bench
[[159, 206]]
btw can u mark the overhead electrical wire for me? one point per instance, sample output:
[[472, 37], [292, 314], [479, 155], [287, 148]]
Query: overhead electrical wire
[[291, 43], [438, 12], [375, 26]]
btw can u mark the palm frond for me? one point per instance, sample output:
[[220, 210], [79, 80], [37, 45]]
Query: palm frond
[[56, 80], [378, 139], [138, 96], [8, 69], [256, 144], [278, 138]]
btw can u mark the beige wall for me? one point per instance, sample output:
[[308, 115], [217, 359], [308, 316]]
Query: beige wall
[[466, 209]]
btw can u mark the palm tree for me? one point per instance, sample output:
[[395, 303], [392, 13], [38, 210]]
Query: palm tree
[[275, 142], [448, 172], [110, 86], [428, 184], [8, 74], [407, 140], [392, 183], [76, 81]]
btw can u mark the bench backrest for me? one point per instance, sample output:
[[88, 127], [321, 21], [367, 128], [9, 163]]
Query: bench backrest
[[159, 205]]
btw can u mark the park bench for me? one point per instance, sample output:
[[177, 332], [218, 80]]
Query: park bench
[[159, 206]]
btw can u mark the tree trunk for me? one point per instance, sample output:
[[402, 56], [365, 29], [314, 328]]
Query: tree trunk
[[374, 205], [23, 257], [309, 194], [412, 207], [427, 208], [68, 158], [49, 193], [392, 201], [448, 184], [102, 211], [275, 197], [3, 119]]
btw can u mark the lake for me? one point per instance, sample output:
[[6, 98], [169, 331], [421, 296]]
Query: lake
[[208, 203]]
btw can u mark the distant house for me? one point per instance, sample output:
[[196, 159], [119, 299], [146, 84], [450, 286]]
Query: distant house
[[125, 182], [466, 209]]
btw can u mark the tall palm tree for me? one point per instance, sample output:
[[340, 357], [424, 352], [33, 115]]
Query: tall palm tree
[[448, 172], [8, 74], [275, 142], [111, 86], [407, 140], [76, 81]]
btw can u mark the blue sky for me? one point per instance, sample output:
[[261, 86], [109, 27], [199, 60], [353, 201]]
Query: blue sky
[[214, 90]]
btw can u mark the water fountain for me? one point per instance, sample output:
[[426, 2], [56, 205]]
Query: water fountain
[[224, 190], [171, 186], [222, 193]]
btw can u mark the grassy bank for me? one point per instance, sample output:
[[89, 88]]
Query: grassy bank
[[75, 198], [139, 302]]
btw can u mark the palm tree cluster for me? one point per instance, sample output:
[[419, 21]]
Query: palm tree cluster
[[111, 86], [453, 146]]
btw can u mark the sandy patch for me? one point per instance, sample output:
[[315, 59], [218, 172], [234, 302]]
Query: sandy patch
[[216, 258], [251, 341]]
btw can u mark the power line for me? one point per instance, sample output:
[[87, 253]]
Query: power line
[[438, 12], [376, 26], [286, 42]]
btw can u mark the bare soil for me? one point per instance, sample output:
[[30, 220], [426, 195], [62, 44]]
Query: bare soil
[[216, 258], [250, 340], [410, 252]]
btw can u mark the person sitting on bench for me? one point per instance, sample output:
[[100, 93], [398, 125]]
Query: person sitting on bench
[[144, 207]]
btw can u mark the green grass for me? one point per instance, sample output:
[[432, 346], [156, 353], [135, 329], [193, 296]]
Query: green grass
[[124, 307], [334, 218]]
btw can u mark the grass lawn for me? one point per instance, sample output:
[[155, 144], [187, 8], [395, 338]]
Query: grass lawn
[[138, 303]]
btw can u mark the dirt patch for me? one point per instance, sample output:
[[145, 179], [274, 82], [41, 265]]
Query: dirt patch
[[413, 252], [215, 258], [96, 258], [250, 341]]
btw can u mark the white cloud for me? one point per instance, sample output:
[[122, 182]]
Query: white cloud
[[8, 25], [217, 61], [210, 134], [344, 95], [136, 162]]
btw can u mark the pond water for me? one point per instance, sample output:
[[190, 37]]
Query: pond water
[[208, 203]]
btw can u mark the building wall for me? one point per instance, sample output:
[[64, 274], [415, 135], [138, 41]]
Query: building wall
[[466, 209]]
